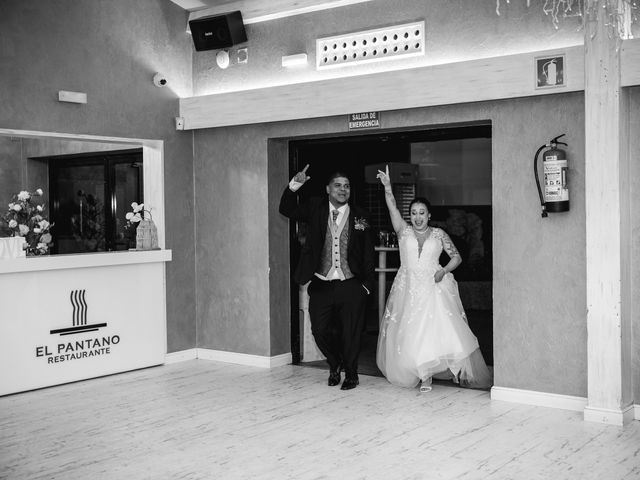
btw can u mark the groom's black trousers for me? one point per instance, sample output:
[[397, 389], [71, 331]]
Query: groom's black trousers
[[337, 310]]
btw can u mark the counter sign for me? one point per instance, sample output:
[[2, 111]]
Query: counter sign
[[364, 120]]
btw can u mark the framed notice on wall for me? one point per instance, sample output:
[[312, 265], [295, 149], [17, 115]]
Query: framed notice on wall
[[550, 72]]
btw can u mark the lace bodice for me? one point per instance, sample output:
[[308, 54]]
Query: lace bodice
[[413, 257]]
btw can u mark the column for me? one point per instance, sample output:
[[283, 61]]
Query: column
[[608, 235]]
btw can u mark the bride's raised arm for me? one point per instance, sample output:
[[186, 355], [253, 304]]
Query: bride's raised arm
[[396, 218]]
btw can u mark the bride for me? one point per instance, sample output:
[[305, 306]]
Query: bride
[[424, 329]]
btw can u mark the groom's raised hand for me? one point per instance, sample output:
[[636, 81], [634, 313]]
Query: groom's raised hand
[[299, 179], [302, 176]]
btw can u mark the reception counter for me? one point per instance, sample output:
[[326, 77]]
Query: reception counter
[[72, 317]]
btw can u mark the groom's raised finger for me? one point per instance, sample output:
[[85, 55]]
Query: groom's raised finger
[[387, 170], [304, 170]]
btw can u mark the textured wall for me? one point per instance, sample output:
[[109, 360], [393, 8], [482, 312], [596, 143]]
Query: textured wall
[[11, 170], [231, 240], [540, 313], [110, 50], [456, 30], [539, 264]]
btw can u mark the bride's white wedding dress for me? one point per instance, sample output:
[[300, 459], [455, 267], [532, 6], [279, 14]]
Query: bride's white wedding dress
[[424, 329]]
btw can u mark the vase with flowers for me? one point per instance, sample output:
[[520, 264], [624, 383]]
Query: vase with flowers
[[146, 231], [25, 218]]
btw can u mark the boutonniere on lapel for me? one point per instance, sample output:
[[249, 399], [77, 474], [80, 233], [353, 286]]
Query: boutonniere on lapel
[[360, 223]]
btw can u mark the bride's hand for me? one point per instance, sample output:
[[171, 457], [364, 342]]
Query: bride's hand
[[384, 177], [439, 275]]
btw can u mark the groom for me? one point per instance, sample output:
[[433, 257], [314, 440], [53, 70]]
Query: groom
[[338, 258]]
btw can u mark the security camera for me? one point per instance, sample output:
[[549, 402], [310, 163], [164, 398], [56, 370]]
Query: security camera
[[159, 80]]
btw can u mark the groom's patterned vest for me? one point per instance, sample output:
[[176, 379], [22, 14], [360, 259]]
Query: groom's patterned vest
[[334, 250]]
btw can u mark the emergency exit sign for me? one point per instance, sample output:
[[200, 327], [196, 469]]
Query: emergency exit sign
[[364, 120]]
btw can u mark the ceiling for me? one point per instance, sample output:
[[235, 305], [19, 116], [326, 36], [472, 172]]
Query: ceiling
[[192, 5], [254, 11]]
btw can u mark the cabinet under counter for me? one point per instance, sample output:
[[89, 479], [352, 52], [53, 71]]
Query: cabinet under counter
[[73, 317]]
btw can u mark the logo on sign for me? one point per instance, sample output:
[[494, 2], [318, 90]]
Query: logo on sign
[[79, 317], [364, 120], [78, 349]]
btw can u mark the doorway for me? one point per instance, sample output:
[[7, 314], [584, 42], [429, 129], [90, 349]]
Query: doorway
[[451, 166]]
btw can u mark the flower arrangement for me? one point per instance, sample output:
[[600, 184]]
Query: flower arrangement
[[138, 213], [146, 232], [25, 218]]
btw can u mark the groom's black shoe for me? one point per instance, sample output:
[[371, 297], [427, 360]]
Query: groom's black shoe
[[334, 378], [349, 383]]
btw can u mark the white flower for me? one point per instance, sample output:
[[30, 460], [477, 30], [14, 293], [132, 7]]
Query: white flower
[[43, 224], [13, 223], [37, 230], [39, 208], [39, 192], [42, 247], [17, 207], [133, 217], [23, 229], [136, 207], [24, 195], [11, 206], [46, 238]]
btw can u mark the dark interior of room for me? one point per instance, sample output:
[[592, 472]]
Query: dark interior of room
[[90, 193]]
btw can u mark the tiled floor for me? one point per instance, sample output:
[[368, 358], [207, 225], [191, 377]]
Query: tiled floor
[[207, 420]]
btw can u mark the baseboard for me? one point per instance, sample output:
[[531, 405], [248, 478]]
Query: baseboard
[[280, 360], [539, 399], [228, 357], [181, 356], [609, 416], [244, 358]]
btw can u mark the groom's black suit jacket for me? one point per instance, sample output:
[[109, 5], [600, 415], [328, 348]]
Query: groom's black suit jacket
[[315, 212]]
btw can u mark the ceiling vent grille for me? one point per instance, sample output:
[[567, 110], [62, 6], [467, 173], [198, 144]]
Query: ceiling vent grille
[[399, 41]]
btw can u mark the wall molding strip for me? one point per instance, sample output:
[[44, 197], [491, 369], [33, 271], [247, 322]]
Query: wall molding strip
[[539, 399], [244, 358], [609, 416], [181, 356], [495, 78]]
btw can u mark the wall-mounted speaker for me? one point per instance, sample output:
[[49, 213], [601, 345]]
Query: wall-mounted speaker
[[218, 31]]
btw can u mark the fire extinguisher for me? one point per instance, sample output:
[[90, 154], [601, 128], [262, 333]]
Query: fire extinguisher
[[556, 189]]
